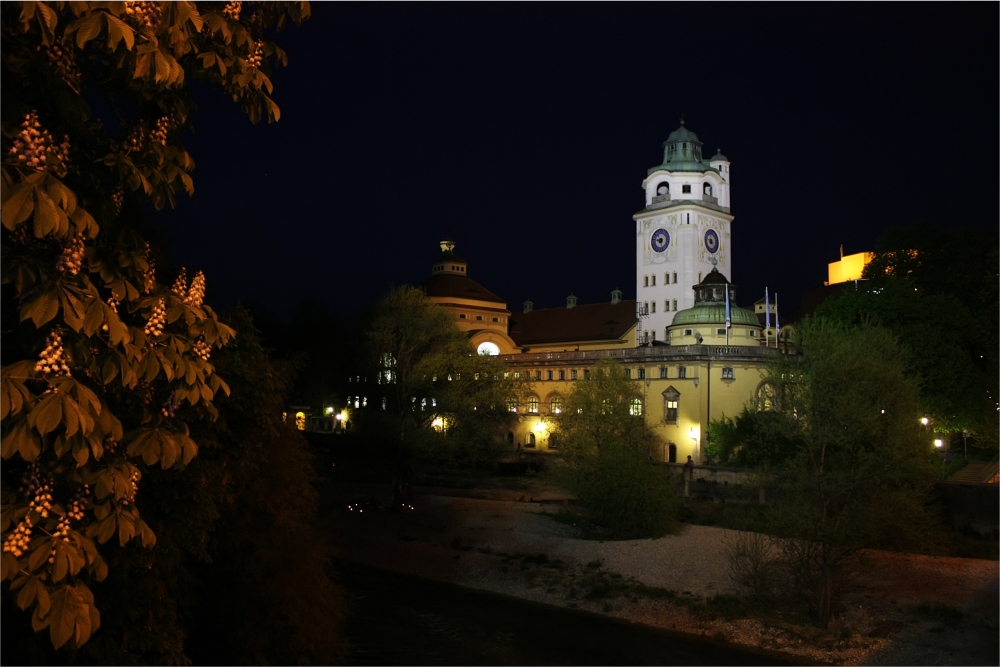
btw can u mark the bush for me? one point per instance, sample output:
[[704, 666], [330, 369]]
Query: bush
[[752, 566]]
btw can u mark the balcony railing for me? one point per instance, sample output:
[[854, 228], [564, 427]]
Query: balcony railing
[[646, 353]]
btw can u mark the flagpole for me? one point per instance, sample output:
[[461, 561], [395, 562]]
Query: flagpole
[[767, 319], [777, 322], [728, 318]]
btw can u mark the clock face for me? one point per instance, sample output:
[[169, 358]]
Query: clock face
[[711, 240], [660, 240]]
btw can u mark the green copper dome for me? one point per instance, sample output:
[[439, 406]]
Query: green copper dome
[[710, 304], [682, 152], [715, 313]]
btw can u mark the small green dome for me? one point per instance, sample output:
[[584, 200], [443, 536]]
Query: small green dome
[[719, 156], [715, 313], [682, 134]]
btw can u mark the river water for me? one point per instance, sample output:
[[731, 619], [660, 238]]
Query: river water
[[401, 620]]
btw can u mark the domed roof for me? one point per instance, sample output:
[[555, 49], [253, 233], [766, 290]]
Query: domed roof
[[715, 278], [715, 313], [682, 134], [719, 156]]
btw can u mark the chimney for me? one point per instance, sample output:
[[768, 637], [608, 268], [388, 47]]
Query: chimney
[[616, 296], [528, 305], [571, 300]]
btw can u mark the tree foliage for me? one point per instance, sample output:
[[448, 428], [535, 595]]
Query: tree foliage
[[440, 396], [106, 369], [606, 443], [936, 290], [860, 474]]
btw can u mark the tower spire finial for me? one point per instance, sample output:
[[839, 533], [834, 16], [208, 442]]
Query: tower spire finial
[[682, 118]]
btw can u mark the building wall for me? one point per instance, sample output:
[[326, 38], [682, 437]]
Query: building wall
[[704, 393]]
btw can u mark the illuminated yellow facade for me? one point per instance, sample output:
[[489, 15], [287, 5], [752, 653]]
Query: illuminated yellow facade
[[703, 370], [850, 267]]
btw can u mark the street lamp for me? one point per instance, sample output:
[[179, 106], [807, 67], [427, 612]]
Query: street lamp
[[925, 421], [938, 443]]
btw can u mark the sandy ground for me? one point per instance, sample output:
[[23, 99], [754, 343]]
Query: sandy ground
[[502, 542]]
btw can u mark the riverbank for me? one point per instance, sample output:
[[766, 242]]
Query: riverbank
[[907, 609]]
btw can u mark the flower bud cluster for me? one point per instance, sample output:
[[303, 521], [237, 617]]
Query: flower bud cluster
[[78, 503], [146, 14], [39, 487], [170, 406], [118, 199], [71, 259], [257, 57], [196, 294], [60, 57], [36, 149], [149, 277], [180, 286], [232, 10], [154, 326], [133, 479], [61, 533], [136, 139], [17, 541], [110, 445], [203, 349], [53, 358], [163, 126]]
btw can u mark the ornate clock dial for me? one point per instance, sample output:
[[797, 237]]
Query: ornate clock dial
[[711, 240], [660, 240]]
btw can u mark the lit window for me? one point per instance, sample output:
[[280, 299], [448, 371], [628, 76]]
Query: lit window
[[671, 401], [640, 373], [605, 406], [572, 374], [556, 405], [300, 421], [727, 374], [511, 405], [635, 407], [533, 405]]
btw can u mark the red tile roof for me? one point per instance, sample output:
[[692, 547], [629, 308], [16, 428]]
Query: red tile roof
[[458, 287], [596, 321]]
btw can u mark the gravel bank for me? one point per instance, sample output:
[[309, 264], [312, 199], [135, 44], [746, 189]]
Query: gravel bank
[[510, 547]]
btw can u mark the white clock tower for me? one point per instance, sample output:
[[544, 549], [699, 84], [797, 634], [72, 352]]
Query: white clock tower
[[682, 233]]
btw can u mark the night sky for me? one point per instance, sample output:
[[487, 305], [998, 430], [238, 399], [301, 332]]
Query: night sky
[[525, 131]]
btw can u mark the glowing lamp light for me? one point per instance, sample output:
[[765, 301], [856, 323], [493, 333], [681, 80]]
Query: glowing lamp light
[[938, 443], [437, 423], [539, 427], [924, 421], [329, 411], [339, 416]]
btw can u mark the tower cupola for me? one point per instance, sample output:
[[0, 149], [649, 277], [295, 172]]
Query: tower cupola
[[449, 262]]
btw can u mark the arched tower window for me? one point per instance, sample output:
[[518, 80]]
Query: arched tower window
[[672, 453], [708, 189], [663, 188]]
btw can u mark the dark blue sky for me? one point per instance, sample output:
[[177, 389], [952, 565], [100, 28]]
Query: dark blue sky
[[526, 130]]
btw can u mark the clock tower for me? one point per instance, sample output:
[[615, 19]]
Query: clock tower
[[682, 233]]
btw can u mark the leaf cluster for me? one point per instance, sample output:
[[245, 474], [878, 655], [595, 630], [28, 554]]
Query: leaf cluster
[[106, 370]]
